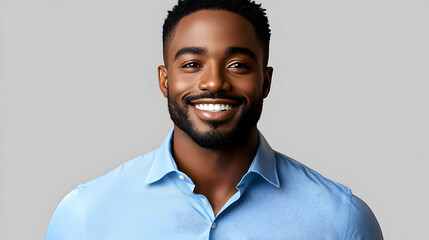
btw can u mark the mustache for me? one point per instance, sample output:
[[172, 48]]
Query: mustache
[[217, 95]]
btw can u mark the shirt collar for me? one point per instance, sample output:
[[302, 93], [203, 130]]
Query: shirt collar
[[264, 162], [163, 162]]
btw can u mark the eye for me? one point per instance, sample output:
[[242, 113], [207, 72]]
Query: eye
[[239, 67], [191, 65]]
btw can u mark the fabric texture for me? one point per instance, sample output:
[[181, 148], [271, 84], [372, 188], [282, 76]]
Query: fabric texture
[[149, 198]]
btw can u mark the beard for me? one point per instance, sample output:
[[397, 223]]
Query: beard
[[213, 138]]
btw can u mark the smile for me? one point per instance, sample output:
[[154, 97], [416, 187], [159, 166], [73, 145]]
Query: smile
[[214, 107]]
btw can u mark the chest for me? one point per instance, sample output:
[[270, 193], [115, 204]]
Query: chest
[[177, 216]]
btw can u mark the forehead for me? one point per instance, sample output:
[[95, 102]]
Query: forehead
[[214, 30]]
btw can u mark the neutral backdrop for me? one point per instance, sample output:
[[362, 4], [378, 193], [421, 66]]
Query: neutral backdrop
[[79, 97]]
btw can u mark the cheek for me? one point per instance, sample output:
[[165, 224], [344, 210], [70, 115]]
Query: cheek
[[180, 86], [250, 88]]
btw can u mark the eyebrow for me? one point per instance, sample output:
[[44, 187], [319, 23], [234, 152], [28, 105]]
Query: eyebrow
[[228, 51], [240, 50], [190, 50]]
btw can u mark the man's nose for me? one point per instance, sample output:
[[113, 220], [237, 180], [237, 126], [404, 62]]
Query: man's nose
[[214, 80]]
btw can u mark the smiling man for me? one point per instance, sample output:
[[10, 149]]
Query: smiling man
[[214, 176]]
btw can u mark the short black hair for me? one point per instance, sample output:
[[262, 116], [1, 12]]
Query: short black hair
[[250, 10]]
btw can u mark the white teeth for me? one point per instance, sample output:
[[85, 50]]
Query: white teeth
[[214, 107]]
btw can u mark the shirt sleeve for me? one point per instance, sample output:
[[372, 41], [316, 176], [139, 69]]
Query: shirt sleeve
[[65, 223], [362, 223]]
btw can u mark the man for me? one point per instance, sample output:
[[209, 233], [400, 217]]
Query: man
[[214, 176]]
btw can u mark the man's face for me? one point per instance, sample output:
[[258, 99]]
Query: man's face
[[215, 81]]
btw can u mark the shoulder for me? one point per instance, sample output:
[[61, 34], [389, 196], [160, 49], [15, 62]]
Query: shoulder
[[329, 200], [130, 175], [290, 170], [362, 222], [122, 176], [72, 212]]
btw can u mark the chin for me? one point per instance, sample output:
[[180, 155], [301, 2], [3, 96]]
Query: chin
[[216, 134]]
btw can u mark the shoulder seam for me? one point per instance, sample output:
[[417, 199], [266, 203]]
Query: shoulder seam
[[349, 216]]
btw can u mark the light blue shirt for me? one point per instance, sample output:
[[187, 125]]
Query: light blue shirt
[[149, 198]]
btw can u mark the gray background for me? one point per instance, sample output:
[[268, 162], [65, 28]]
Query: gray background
[[79, 96]]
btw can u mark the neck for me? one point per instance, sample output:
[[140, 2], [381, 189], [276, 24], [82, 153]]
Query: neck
[[215, 172]]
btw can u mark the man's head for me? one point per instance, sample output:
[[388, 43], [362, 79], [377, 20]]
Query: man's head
[[245, 8], [215, 75]]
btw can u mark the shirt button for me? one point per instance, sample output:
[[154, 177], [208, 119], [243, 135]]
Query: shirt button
[[214, 225], [181, 177]]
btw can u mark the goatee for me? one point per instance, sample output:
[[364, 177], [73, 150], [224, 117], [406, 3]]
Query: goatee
[[214, 139]]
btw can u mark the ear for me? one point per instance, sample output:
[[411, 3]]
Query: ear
[[268, 74], [162, 80]]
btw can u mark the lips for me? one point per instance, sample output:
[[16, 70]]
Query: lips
[[214, 109]]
